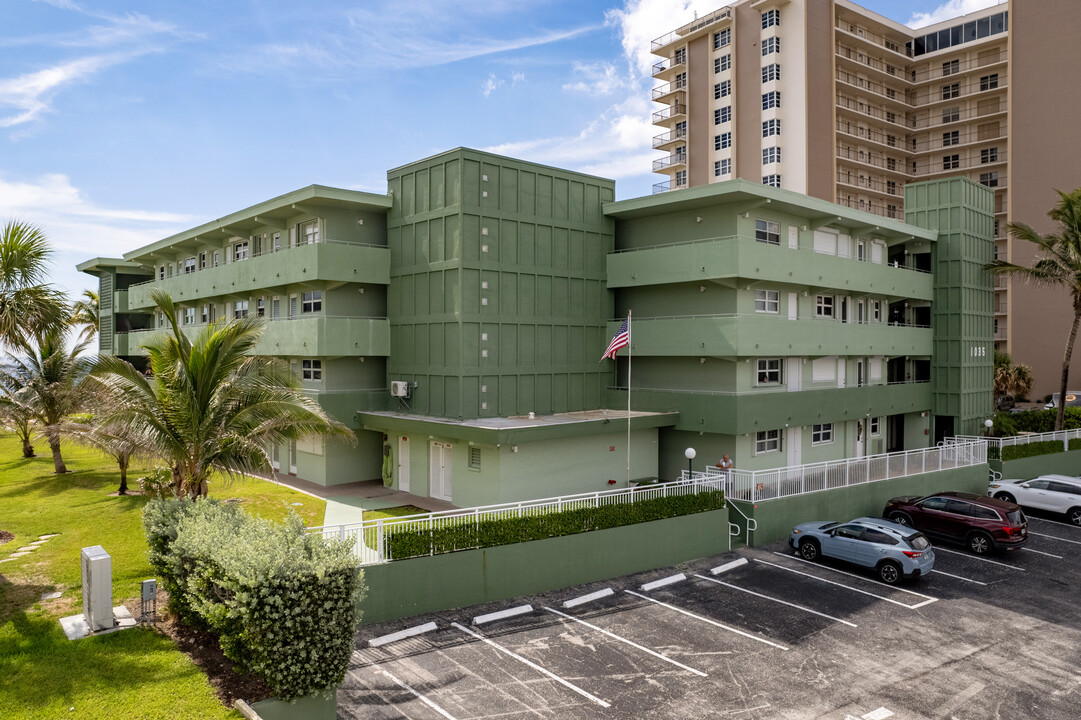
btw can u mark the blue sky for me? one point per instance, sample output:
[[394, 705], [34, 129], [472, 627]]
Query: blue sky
[[124, 122]]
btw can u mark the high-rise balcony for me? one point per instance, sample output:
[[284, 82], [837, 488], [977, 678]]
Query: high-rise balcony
[[662, 141], [664, 66], [662, 91], [671, 162], [672, 112], [697, 24]]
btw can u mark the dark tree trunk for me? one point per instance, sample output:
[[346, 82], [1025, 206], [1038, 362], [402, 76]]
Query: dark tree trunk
[[123, 477], [58, 461], [1060, 411], [28, 449]]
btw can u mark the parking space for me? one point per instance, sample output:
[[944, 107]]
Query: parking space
[[772, 637]]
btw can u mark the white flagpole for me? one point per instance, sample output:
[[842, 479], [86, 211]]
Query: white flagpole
[[630, 353]]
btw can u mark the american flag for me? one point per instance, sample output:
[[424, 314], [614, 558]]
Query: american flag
[[619, 341]]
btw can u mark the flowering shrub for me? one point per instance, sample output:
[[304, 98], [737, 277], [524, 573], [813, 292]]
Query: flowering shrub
[[282, 602]]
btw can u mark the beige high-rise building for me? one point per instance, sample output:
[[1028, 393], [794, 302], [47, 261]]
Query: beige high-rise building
[[829, 99]]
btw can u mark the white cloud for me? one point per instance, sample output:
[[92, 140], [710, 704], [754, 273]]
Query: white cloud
[[491, 84], [517, 79], [28, 95], [641, 21], [947, 11], [600, 78]]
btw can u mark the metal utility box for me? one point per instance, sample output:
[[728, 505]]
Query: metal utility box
[[97, 588]]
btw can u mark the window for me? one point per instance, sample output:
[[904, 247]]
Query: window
[[681, 81], [876, 310], [988, 155], [312, 301], [951, 91], [722, 167], [256, 245], [891, 117], [822, 434], [951, 162], [240, 251], [771, 99], [189, 316], [189, 265], [891, 140], [217, 258], [722, 115], [169, 270], [951, 68], [770, 46], [824, 306], [766, 301], [767, 232], [770, 18], [771, 127], [474, 458], [891, 164], [311, 369], [681, 129], [891, 187], [680, 57], [767, 441], [260, 307], [951, 115], [161, 273], [876, 427], [771, 72], [769, 371], [681, 178], [308, 232], [951, 138], [725, 61], [722, 141], [771, 155], [240, 309], [202, 260], [990, 179], [275, 308], [772, 180], [989, 82], [722, 89], [722, 39]]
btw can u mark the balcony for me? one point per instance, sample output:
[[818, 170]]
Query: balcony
[[933, 142], [324, 261], [670, 113], [881, 161], [862, 109], [671, 162], [676, 85], [884, 209], [885, 93], [730, 413], [767, 335], [937, 119], [742, 257], [865, 36], [856, 58], [662, 68], [885, 187], [934, 70], [663, 140], [312, 335], [698, 24], [968, 89]]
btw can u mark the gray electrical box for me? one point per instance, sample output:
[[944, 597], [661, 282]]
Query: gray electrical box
[[97, 588]]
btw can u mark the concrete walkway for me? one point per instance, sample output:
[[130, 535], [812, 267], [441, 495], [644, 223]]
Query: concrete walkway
[[346, 503]]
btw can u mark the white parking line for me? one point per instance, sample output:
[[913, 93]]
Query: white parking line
[[859, 577], [1041, 552], [1053, 537], [1055, 522], [707, 620], [535, 666], [976, 557], [420, 697], [928, 601], [629, 642], [942, 572], [776, 600]]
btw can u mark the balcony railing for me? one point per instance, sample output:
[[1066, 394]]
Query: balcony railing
[[699, 23], [672, 111], [935, 119], [669, 87], [877, 88], [933, 141], [885, 210], [867, 158], [670, 161], [668, 137], [967, 89], [668, 64], [862, 181], [934, 70], [861, 107], [863, 60], [873, 38]]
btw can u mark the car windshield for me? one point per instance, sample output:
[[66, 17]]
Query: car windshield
[[918, 542], [828, 525], [1016, 517]]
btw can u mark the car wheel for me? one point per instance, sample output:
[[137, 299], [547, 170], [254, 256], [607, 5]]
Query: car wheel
[[901, 519], [1074, 516], [1005, 496], [808, 550], [889, 572], [979, 543]]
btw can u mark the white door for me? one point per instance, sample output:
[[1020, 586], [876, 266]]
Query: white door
[[861, 369], [793, 373], [843, 301], [793, 306], [861, 438], [403, 464], [840, 372], [861, 312], [793, 237], [440, 470], [275, 457], [292, 457], [794, 440]]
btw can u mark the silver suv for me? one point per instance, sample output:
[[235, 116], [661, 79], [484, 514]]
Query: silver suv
[[895, 551]]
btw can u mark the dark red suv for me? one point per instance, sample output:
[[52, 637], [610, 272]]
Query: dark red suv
[[981, 523]]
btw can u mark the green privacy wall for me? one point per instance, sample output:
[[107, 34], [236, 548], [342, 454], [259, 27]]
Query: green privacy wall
[[777, 517], [498, 300], [457, 580], [1064, 463], [962, 313]]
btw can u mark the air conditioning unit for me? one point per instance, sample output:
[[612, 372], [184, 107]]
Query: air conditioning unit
[[399, 388]]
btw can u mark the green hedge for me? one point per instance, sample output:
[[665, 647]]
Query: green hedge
[[1075, 444], [1041, 421], [282, 602], [1016, 452], [409, 541]]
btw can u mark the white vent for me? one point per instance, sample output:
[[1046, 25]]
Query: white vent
[[399, 388]]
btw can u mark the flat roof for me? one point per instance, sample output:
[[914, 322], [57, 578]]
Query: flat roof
[[518, 428], [494, 156], [95, 266], [747, 195]]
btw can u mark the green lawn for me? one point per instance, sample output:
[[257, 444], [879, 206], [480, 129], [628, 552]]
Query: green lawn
[[130, 674]]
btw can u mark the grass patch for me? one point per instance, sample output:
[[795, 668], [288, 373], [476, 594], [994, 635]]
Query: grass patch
[[130, 674], [400, 511]]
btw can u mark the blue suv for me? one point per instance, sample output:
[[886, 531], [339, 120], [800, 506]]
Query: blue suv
[[894, 551]]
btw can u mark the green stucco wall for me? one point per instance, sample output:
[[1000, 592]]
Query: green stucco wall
[[777, 517], [1064, 463], [455, 580]]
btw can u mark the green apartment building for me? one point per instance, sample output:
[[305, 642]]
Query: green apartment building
[[456, 323]]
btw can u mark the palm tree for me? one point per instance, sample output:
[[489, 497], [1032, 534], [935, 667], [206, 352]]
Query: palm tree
[[28, 307], [1058, 265], [49, 378], [1011, 379], [209, 404], [85, 314], [111, 440], [15, 414]]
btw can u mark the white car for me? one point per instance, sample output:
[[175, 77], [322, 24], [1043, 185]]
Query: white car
[[1057, 493]]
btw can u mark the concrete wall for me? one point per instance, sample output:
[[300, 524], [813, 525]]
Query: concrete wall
[[777, 517], [1064, 463], [410, 587]]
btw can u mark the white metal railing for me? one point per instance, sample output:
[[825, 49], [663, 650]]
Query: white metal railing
[[1064, 436], [755, 485], [370, 538]]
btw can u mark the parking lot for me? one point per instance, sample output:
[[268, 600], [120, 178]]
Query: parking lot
[[767, 635]]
